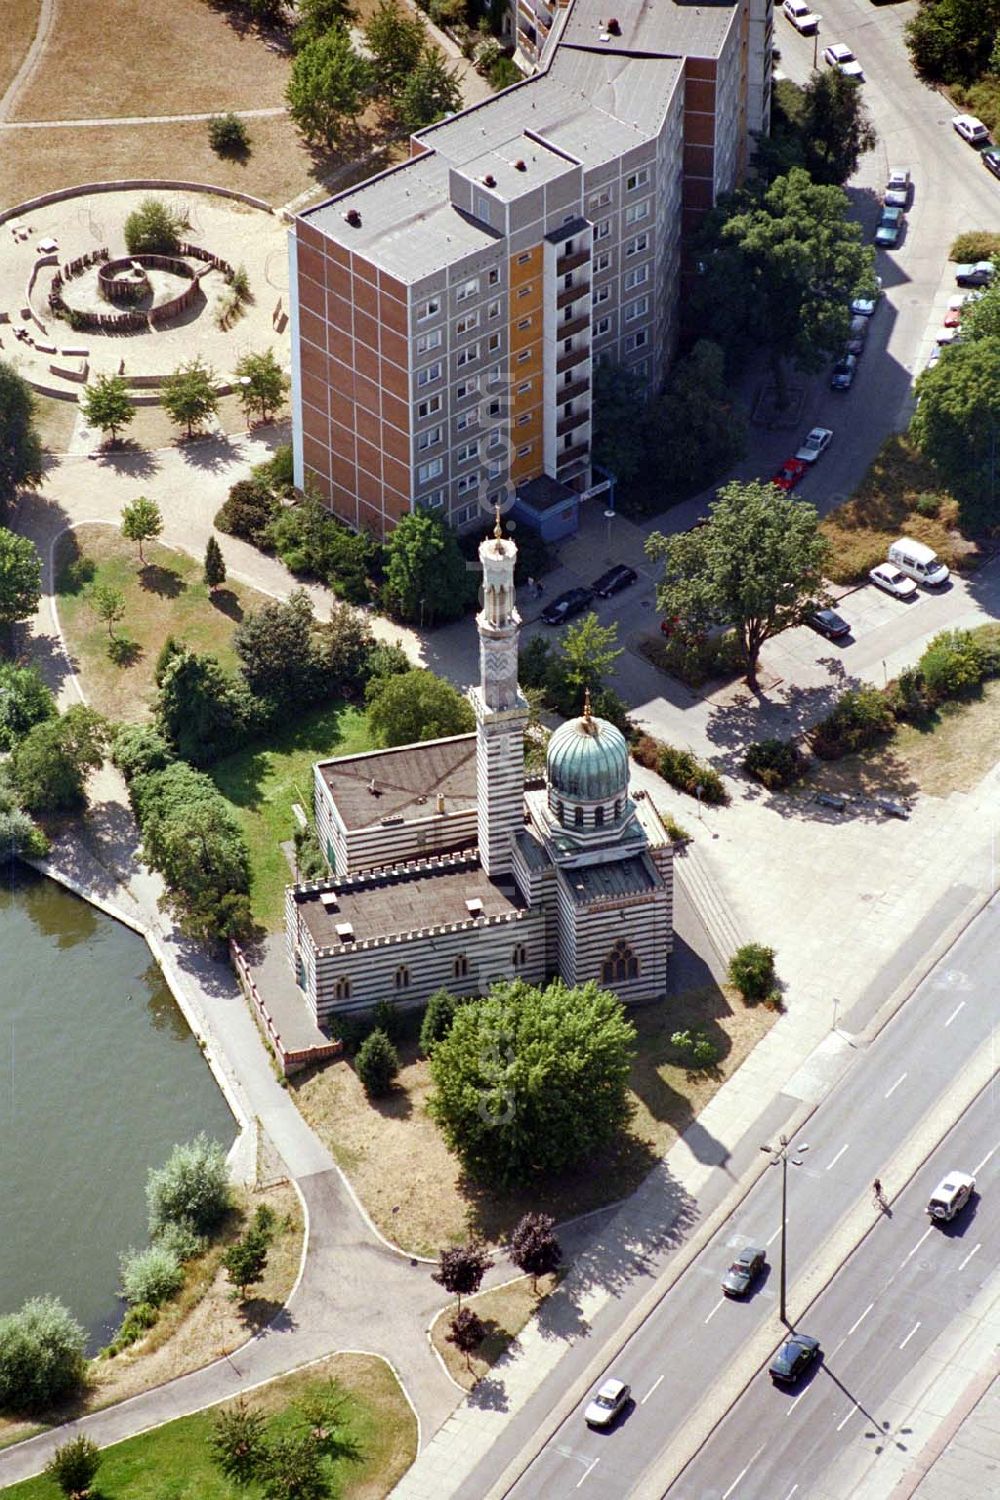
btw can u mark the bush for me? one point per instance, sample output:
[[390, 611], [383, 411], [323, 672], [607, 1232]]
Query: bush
[[191, 1189], [503, 73], [774, 763], [41, 1355], [697, 1048], [377, 1064], [228, 136], [25, 700], [247, 511], [952, 665], [438, 1018], [309, 859], [975, 244], [139, 748], [751, 969], [73, 1467], [180, 1240], [929, 505], [314, 543], [447, 12], [860, 718], [137, 1321], [386, 1017], [152, 1275], [687, 773], [154, 227], [909, 697], [697, 659], [19, 834]]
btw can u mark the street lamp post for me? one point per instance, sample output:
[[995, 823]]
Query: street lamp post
[[780, 1153], [816, 48]]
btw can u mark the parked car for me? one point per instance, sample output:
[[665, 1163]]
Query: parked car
[[890, 227], [816, 442], [801, 17], [827, 622], [935, 356], [978, 274], [856, 335], [950, 1196], [957, 306], [843, 59], [796, 1354], [613, 581], [789, 474], [990, 159], [744, 1271], [971, 129], [608, 1405], [897, 189], [948, 334], [886, 577], [843, 373], [566, 606], [863, 306]]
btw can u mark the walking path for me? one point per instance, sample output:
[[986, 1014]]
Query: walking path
[[31, 58], [243, 114]]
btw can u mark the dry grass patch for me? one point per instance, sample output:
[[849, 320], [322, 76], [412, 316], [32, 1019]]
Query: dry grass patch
[[20, 21], [505, 1311], [414, 1188], [884, 508], [55, 421]]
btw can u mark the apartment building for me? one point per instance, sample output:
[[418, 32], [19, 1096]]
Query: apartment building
[[447, 314]]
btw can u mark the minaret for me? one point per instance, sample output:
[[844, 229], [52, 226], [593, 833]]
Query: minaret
[[501, 711]]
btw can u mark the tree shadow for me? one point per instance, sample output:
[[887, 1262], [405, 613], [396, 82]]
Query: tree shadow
[[226, 602], [156, 579], [257, 1312], [395, 1105], [489, 1394], [211, 452], [127, 457], [124, 651]]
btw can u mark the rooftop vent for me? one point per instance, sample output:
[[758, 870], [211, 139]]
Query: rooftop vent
[[345, 931], [373, 788], [520, 166], [440, 802], [392, 820], [329, 901], [490, 180], [353, 218], [474, 906]]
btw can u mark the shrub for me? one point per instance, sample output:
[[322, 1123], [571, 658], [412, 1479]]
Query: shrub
[[677, 832], [929, 505], [975, 244], [698, 1049], [19, 834], [152, 1275], [312, 542], [952, 665], [308, 855], [137, 1321], [438, 1018], [180, 1240], [646, 751], [228, 136], [41, 1355], [909, 697], [377, 1064], [154, 227], [25, 700], [687, 773], [192, 1188], [387, 1018], [73, 1467], [987, 638], [860, 717], [503, 73], [277, 473], [751, 969], [247, 511], [447, 12], [774, 763]]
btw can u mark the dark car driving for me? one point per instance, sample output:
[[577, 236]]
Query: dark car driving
[[794, 1357], [613, 581], [566, 606], [744, 1271]]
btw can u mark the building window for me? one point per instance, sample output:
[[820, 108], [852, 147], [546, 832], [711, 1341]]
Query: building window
[[459, 517], [636, 246], [560, 809], [432, 501], [495, 439], [636, 276], [598, 817], [620, 965], [637, 211], [342, 988], [428, 439], [522, 260], [636, 340], [524, 388], [524, 356], [602, 229], [467, 451], [494, 277], [493, 343], [466, 419], [525, 291], [467, 289], [601, 326], [466, 388], [460, 966], [618, 808], [493, 311], [429, 407], [468, 482], [525, 452], [402, 977], [578, 816], [468, 354], [601, 295], [641, 369], [428, 341], [467, 324], [494, 408], [524, 419], [429, 373], [430, 307], [524, 323], [430, 471], [520, 956], [602, 262], [601, 201], [495, 468], [636, 179], [636, 309]]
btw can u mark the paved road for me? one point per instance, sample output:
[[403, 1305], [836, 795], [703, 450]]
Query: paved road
[[897, 1088], [899, 1295]]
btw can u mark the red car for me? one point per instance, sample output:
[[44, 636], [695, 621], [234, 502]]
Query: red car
[[789, 474]]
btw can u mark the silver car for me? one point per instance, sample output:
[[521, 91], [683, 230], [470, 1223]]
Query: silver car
[[608, 1405]]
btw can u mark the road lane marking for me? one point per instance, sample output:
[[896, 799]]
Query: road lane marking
[[791, 1492], [742, 1472], [909, 1335], [971, 1253], [588, 1469], [954, 1013], [859, 1321], [850, 1414], [652, 1388], [794, 1404], [980, 1165], [774, 1236], [836, 1158], [915, 1248], [895, 1086], [715, 1309]]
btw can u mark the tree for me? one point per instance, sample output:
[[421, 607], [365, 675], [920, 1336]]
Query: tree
[[981, 318], [751, 970], [438, 1016], [750, 567], [265, 387], [697, 432], [327, 87], [836, 128], [621, 427], [20, 577], [138, 749], [142, 521], [291, 1468], [245, 1262], [275, 648], [396, 41], [534, 1248], [155, 228], [25, 700], [246, 511], [41, 1355], [377, 1064], [344, 645], [51, 762], [238, 1442], [426, 578], [311, 541], [530, 1081], [73, 1467], [461, 1269], [191, 1188], [778, 267], [107, 405], [229, 136], [957, 426], [316, 17], [417, 706], [20, 445], [952, 41], [189, 395], [589, 651], [466, 1331], [109, 605], [215, 564], [431, 91], [201, 708]]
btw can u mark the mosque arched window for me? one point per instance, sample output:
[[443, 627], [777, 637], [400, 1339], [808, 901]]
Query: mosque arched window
[[342, 988], [620, 965]]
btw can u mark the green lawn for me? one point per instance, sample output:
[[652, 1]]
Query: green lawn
[[263, 781], [174, 1462]]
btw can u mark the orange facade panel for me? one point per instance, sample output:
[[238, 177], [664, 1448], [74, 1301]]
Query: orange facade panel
[[524, 267]]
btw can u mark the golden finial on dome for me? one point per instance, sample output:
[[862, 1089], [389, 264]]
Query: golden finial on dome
[[498, 529], [587, 714]]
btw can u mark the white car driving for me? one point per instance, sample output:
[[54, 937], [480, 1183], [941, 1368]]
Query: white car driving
[[843, 59], [801, 17], [886, 577], [816, 442], [609, 1403]]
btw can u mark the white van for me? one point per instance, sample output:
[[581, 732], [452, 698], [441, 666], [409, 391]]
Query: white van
[[918, 561]]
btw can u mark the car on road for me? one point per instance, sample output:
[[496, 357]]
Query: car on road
[[827, 622], [843, 373], [886, 577], [897, 189], [856, 335], [890, 227], [990, 159], [801, 17], [816, 442], [950, 1196], [613, 581], [744, 1271], [566, 606], [843, 59], [979, 273], [608, 1405], [796, 1354], [971, 129], [788, 476], [863, 306]]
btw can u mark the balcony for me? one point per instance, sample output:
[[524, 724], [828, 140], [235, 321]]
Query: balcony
[[572, 456], [570, 262], [571, 293], [570, 392], [573, 358], [573, 326], [567, 424]]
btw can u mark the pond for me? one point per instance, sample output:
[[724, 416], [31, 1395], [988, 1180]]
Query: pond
[[99, 1077]]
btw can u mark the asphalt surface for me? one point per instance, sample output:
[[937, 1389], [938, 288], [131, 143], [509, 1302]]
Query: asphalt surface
[[695, 1333]]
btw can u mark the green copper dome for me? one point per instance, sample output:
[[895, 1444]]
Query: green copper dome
[[588, 760]]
